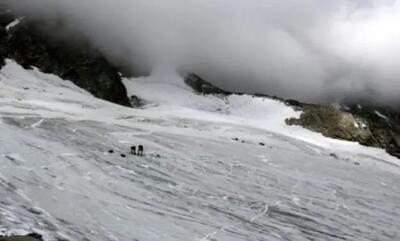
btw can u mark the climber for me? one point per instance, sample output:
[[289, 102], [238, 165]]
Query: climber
[[140, 150]]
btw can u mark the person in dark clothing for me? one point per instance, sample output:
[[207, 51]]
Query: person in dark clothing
[[140, 150], [133, 150]]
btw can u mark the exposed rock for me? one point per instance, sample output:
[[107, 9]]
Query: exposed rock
[[370, 126], [136, 102], [339, 124], [334, 155], [384, 122], [29, 237], [203, 87], [30, 45], [332, 123]]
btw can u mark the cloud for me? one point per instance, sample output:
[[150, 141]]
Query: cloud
[[313, 50]]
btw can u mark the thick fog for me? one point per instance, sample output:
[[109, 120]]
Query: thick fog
[[313, 50]]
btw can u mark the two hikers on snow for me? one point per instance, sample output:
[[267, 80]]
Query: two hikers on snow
[[139, 150]]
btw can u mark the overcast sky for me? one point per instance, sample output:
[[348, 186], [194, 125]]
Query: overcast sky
[[314, 50]]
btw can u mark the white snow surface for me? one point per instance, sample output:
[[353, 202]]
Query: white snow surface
[[215, 168], [13, 24], [381, 115]]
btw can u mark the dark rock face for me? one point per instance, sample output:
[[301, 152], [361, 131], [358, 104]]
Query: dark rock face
[[384, 122], [203, 87], [29, 237], [388, 117], [30, 45]]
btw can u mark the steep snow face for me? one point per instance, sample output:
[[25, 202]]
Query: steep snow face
[[214, 169]]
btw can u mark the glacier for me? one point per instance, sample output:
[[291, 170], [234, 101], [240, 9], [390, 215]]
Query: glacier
[[215, 169]]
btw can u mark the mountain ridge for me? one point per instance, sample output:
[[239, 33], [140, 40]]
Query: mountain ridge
[[365, 125], [27, 42]]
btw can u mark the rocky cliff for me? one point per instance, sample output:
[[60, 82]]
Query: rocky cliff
[[27, 42]]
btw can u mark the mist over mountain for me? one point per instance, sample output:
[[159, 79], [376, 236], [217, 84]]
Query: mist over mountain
[[310, 50], [199, 120]]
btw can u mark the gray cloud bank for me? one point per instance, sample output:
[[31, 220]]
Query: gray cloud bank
[[312, 50]]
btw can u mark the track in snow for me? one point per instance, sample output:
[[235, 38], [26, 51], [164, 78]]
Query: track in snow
[[196, 181], [59, 178]]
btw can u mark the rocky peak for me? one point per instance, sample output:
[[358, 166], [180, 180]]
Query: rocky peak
[[26, 41]]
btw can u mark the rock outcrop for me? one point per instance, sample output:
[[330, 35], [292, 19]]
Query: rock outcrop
[[384, 121], [365, 128], [29, 237], [29, 44], [332, 123], [369, 126], [203, 87]]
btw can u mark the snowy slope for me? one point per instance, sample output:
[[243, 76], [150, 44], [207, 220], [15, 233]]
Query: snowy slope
[[196, 182]]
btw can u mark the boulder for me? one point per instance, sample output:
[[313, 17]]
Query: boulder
[[29, 237]]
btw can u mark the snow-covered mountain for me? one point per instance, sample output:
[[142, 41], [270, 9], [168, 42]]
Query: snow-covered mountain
[[214, 168], [34, 42]]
